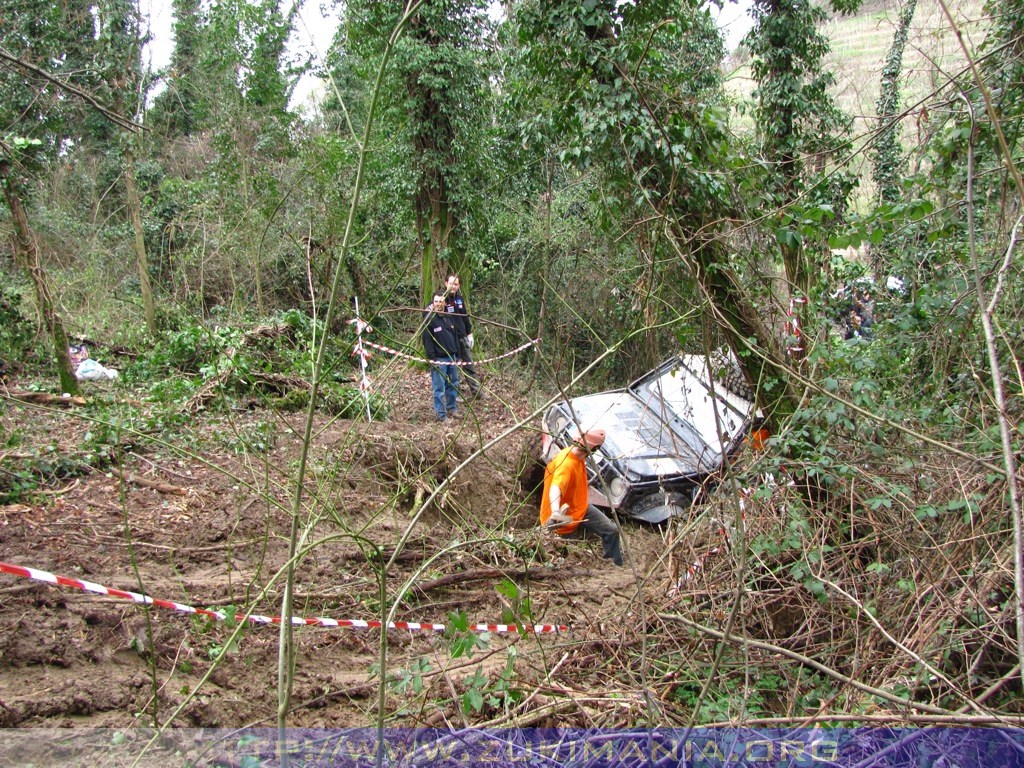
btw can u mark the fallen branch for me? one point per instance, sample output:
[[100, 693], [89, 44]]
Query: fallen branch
[[154, 484], [265, 332], [59, 491], [45, 398], [521, 715], [279, 382], [205, 394], [15, 456], [19, 588]]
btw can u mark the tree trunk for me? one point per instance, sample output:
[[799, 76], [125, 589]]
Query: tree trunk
[[428, 264], [890, 162], [432, 148], [355, 275], [743, 324], [135, 210], [28, 252], [435, 221]]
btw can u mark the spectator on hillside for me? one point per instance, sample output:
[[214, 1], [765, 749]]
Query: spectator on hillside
[[864, 303], [861, 314]]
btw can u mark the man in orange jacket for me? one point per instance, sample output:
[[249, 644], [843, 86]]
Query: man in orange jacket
[[565, 503]]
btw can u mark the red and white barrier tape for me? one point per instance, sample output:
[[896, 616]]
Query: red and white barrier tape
[[361, 326], [698, 564], [365, 385], [396, 353], [793, 325], [135, 597]]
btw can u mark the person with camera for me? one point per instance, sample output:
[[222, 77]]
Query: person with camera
[[441, 344], [455, 305]]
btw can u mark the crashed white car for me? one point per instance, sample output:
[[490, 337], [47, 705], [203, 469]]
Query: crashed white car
[[667, 433]]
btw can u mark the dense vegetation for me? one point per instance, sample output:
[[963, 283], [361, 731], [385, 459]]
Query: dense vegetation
[[584, 168]]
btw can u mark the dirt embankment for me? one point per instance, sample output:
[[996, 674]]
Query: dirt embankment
[[204, 519]]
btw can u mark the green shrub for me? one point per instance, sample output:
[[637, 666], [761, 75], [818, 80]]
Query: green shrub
[[16, 331], [263, 365], [344, 402]]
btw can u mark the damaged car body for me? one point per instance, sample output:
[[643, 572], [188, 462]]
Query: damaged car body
[[668, 433]]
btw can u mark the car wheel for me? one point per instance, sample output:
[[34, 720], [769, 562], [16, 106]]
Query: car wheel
[[659, 507]]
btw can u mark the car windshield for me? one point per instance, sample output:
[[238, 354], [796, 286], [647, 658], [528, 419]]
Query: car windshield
[[681, 397], [645, 435]]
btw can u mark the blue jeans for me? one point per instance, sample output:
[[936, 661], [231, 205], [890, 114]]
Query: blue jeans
[[598, 524], [468, 371], [444, 378]]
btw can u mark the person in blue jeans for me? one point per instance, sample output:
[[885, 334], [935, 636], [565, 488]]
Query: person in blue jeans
[[455, 305], [441, 343]]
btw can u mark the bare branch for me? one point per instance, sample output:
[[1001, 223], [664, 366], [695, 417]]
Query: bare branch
[[108, 113]]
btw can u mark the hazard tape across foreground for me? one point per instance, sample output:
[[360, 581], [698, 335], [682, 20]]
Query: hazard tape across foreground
[[397, 353], [135, 597]]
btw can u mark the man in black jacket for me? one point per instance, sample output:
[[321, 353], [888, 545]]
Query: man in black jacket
[[455, 305], [441, 343]]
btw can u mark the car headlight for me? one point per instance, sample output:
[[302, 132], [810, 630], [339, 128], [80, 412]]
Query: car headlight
[[617, 488], [561, 421], [554, 422]]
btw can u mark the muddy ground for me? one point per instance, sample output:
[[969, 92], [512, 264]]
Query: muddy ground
[[201, 516]]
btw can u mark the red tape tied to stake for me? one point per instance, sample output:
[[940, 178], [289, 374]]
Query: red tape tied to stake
[[135, 597]]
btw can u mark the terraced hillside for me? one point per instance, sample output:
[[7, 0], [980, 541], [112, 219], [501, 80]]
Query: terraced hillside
[[860, 45]]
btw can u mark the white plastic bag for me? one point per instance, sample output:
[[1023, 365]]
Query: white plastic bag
[[90, 370]]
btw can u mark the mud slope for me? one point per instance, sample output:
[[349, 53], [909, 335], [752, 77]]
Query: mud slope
[[204, 520]]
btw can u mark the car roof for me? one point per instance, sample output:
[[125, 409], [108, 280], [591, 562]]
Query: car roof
[[675, 419], [683, 387]]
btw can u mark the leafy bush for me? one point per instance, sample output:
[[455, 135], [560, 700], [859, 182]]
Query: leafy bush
[[25, 472], [344, 402], [16, 332], [269, 362], [19, 479]]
